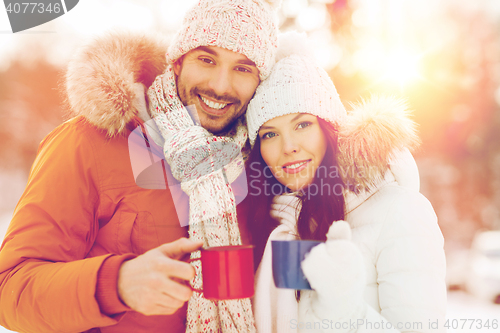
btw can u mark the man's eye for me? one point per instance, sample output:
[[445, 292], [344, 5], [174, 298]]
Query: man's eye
[[207, 60], [304, 124], [243, 69], [268, 135]]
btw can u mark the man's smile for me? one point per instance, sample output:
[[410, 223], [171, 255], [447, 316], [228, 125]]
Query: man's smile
[[212, 104]]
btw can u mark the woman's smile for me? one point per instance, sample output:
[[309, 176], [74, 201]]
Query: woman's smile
[[295, 167], [293, 146]]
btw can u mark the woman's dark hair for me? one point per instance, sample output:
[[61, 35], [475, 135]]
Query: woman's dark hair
[[322, 201]]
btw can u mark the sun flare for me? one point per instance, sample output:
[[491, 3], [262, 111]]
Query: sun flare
[[402, 67]]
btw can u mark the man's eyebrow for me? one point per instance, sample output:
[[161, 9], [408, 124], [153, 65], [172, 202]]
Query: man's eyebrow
[[214, 53], [207, 49], [247, 62]]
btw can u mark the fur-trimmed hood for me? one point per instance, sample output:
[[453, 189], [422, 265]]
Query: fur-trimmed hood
[[106, 79], [371, 138]]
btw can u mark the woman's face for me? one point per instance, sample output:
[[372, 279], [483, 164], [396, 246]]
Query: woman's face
[[293, 146]]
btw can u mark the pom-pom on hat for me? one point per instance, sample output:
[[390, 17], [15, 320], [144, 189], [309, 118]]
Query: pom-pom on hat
[[249, 27], [296, 85]]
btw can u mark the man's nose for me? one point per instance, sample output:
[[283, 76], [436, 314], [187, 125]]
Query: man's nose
[[221, 82]]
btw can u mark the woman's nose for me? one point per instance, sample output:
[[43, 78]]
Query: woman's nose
[[290, 146]]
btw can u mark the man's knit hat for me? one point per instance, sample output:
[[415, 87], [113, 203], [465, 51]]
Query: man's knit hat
[[296, 85], [248, 27]]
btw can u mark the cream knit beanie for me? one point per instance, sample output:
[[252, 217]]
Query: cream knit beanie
[[248, 27], [296, 85]]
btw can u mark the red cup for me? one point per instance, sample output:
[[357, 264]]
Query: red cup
[[227, 272]]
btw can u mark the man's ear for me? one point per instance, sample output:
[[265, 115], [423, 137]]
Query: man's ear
[[177, 65]]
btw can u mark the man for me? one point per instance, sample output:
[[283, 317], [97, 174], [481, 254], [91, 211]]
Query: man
[[88, 249]]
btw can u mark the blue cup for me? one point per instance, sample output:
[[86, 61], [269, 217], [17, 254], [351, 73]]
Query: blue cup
[[287, 256]]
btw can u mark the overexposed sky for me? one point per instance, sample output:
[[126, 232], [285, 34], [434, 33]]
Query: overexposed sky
[[58, 38]]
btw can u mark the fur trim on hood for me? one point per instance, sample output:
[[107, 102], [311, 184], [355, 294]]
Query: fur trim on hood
[[373, 133], [105, 80]]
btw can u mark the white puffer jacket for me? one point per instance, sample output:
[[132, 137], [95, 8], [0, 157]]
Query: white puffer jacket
[[398, 252]]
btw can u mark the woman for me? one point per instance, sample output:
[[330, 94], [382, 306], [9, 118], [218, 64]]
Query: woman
[[312, 164]]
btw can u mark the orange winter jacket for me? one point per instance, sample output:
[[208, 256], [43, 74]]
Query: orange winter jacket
[[81, 206], [82, 212]]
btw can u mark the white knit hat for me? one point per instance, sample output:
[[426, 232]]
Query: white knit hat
[[296, 85], [248, 27]]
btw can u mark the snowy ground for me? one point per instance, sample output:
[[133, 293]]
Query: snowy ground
[[461, 305]]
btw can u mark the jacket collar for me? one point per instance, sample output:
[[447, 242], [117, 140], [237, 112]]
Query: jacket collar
[[402, 171]]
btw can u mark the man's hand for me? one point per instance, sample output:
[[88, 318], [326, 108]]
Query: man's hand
[[152, 283]]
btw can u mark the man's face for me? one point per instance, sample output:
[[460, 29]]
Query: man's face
[[219, 82]]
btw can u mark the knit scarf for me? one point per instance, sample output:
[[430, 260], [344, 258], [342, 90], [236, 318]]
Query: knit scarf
[[205, 165]]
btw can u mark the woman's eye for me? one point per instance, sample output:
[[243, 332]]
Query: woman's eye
[[268, 135], [304, 124]]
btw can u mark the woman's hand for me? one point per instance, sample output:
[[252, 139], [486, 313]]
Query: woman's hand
[[285, 208], [336, 272]]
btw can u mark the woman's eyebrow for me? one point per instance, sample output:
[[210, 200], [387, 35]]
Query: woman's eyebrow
[[291, 120], [297, 117], [265, 127]]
